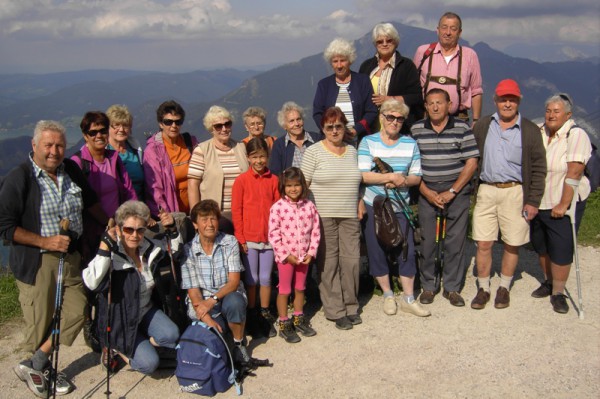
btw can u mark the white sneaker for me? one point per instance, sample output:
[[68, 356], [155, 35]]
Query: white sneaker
[[414, 308], [63, 386], [389, 306]]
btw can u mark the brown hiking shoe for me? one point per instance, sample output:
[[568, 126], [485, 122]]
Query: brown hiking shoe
[[480, 299], [502, 298]]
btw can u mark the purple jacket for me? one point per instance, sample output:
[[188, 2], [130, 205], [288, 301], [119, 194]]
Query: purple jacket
[[159, 176]]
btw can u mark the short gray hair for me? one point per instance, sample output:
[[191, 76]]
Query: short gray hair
[[387, 30], [286, 109], [135, 209], [215, 112], [252, 112], [45, 125], [393, 105], [563, 98], [340, 47]]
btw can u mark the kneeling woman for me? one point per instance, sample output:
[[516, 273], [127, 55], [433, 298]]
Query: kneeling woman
[[137, 326]]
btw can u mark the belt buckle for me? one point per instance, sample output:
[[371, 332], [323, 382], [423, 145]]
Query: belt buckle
[[442, 80]]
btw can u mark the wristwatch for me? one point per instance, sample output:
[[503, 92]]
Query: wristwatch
[[452, 190], [216, 298]]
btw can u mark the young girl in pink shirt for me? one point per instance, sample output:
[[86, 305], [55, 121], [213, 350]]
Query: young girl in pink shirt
[[294, 234]]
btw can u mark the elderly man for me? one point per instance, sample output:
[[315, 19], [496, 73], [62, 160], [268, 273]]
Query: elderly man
[[211, 274], [512, 176], [452, 67], [34, 197], [449, 159]]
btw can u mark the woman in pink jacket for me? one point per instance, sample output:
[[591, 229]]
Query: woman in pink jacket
[[294, 233]]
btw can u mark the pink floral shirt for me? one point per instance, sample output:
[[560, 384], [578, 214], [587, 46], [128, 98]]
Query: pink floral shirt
[[294, 229]]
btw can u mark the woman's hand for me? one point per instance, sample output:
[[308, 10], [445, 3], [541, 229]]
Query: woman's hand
[[166, 219], [362, 209]]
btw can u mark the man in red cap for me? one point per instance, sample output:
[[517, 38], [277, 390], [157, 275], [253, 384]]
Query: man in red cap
[[512, 167]]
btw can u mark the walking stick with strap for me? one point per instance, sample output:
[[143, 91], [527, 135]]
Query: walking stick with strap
[[440, 238], [58, 302], [574, 183], [109, 358]]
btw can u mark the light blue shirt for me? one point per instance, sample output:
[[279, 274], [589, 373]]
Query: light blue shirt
[[502, 153]]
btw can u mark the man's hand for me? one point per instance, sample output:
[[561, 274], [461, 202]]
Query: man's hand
[[209, 321], [57, 243], [203, 308], [529, 212]]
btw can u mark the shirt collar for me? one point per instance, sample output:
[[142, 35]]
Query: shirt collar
[[307, 137], [391, 63], [496, 118], [449, 124], [200, 250]]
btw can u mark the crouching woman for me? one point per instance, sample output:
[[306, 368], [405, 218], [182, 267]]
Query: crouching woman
[[137, 325]]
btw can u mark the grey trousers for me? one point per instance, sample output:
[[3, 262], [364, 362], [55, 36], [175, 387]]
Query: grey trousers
[[454, 267], [338, 262]]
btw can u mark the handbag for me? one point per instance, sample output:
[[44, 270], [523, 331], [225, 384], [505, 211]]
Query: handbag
[[387, 228]]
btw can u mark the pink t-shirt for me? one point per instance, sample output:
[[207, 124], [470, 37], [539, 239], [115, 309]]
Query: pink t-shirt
[[108, 187]]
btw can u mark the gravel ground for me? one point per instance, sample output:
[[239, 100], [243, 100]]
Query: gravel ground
[[525, 351]]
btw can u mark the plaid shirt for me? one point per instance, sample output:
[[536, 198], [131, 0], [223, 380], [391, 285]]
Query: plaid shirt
[[62, 200], [210, 272], [299, 152]]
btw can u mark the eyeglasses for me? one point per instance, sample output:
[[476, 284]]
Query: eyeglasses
[[220, 126], [256, 124], [391, 118], [94, 132], [331, 128], [169, 122], [118, 126], [384, 41], [130, 230]]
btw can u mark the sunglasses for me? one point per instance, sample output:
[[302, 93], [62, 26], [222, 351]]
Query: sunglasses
[[220, 126], [331, 128], [94, 132], [384, 41], [391, 118], [169, 122], [130, 230], [565, 98]]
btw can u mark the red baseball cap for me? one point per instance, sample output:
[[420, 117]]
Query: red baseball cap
[[508, 87]]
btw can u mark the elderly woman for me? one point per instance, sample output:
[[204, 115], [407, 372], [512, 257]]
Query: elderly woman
[[128, 148], [331, 171], [255, 122], [215, 164], [347, 90], [288, 149], [105, 173], [128, 264], [167, 156], [568, 149], [211, 275], [402, 154], [392, 75]]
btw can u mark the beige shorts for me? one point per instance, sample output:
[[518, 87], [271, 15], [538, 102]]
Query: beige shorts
[[500, 208], [37, 301]]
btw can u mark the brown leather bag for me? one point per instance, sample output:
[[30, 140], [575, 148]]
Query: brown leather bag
[[387, 228]]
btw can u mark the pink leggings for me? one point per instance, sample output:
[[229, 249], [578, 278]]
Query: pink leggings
[[287, 273]]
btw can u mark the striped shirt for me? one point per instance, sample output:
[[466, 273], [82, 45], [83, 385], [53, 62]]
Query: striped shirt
[[403, 157], [299, 151], [344, 102], [443, 154], [562, 149], [334, 180], [62, 199]]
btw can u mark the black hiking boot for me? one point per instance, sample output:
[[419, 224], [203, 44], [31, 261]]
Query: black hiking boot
[[287, 331], [302, 325], [268, 321]]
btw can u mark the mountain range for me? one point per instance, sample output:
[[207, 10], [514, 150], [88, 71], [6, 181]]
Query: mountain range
[[24, 99]]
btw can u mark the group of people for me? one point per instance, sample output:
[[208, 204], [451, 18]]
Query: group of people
[[300, 199]]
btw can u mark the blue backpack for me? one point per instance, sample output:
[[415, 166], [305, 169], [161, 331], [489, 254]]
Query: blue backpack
[[204, 362]]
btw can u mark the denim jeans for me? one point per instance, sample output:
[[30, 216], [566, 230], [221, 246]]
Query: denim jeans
[[157, 325]]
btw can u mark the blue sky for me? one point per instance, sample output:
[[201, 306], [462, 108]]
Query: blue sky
[[184, 35]]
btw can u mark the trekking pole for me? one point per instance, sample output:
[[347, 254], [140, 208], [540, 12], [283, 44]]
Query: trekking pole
[[571, 213], [58, 301], [440, 238], [111, 224]]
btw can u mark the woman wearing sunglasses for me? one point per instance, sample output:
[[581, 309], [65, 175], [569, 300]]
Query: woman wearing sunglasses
[[137, 325], [166, 161], [392, 75], [106, 174], [215, 164]]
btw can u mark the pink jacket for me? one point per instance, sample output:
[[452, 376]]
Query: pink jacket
[[294, 229]]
